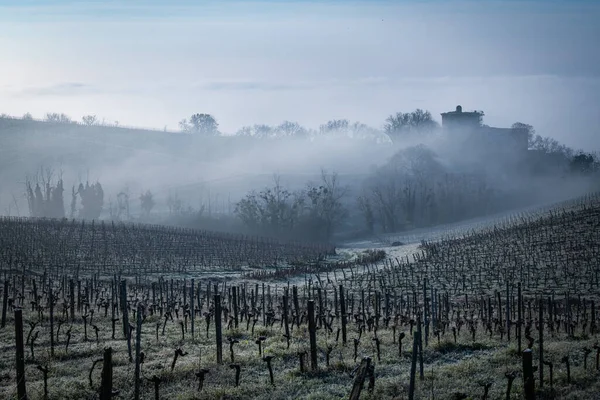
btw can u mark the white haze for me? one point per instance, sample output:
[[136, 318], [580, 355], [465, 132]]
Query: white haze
[[150, 65]]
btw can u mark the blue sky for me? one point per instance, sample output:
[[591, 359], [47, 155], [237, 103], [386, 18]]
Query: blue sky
[[151, 63]]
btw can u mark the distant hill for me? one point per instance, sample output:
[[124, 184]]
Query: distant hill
[[193, 166]]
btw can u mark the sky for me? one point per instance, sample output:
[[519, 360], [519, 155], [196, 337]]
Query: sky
[[152, 63]]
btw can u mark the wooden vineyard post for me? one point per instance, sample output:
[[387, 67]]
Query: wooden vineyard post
[[4, 303], [565, 360], [285, 315], [72, 299], [21, 388], [218, 327], [124, 308], [593, 322], [362, 305], [312, 330], [106, 385], [413, 367], [296, 305], [433, 315], [425, 317], [244, 303], [192, 312], [199, 298], [14, 286], [343, 313], [489, 309], [508, 311], [255, 297], [321, 313], [234, 292], [336, 311], [51, 301], [499, 313], [541, 340], [263, 308], [528, 383], [420, 348], [35, 292], [78, 295], [138, 340], [184, 291], [519, 317], [208, 293], [550, 315]]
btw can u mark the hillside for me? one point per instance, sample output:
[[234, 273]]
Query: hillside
[[199, 170]]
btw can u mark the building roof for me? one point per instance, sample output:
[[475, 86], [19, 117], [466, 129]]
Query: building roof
[[460, 111]]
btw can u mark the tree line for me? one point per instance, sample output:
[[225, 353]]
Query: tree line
[[45, 199], [311, 213], [412, 189], [396, 128]]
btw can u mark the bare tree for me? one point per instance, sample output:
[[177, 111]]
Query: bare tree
[[325, 203], [290, 129], [92, 200], [414, 189], [46, 199], [336, 126], [89, 120], [56, 117], [147, 202], [274, 210], [366, 209], [204, 124], [530, 131], [123, 204], [402, 124]]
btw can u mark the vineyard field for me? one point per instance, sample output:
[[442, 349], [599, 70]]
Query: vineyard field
[[502, 310]]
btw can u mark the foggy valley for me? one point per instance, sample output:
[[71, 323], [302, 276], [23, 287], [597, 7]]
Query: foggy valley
[[284, 200], [412, 173]]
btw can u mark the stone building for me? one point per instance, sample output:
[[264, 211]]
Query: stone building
[[468, 125]]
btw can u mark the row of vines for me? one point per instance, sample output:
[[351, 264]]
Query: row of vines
[[514, 307]]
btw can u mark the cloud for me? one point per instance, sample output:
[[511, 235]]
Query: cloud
[[252, 86], [59, 89], [287, 86]]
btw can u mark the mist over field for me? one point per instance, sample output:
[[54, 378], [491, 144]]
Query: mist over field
[[303, 199], [296, 96]]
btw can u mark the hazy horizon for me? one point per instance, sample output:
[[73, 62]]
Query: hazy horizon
[[151, 65]]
